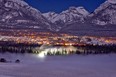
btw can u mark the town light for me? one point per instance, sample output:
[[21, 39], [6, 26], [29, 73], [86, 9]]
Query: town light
[[41, 55]]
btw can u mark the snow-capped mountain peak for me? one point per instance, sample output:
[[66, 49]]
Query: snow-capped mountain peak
[[105, 14], [19, 12], [21, 5], [72, 14], [79, 10], [50, 15]]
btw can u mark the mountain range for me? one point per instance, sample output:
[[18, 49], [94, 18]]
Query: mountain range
[[17, 14]]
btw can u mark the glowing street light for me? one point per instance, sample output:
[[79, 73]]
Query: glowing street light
[[41, 55]]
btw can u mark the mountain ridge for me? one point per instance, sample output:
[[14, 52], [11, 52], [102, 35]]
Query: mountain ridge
[[19, 13], [75, 20]]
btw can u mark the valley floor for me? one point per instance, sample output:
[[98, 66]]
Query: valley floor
[[59, 66]]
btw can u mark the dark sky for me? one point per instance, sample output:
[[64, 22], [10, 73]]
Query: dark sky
[[60, 5]]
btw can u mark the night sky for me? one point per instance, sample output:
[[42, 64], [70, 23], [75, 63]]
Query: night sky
[[60, 5]]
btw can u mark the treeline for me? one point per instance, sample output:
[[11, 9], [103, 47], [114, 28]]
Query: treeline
[[13, 47], [96, 49]]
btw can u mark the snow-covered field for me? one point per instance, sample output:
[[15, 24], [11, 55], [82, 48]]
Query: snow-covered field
[[59, 66]]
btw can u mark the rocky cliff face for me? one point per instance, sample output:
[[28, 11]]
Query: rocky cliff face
[[73, 14], [19, 13], [105, 14]]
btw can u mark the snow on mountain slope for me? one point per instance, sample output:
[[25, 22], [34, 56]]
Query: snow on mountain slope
[[72, 14], [99, 23], [16, 14], [50, 16], [19, 12], [105, 14], [21, 6]]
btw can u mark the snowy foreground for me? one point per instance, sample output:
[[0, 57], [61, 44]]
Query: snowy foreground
[[59, 66]]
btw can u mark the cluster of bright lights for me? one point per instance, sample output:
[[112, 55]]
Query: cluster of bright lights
[[41, 55], [54, 50]]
